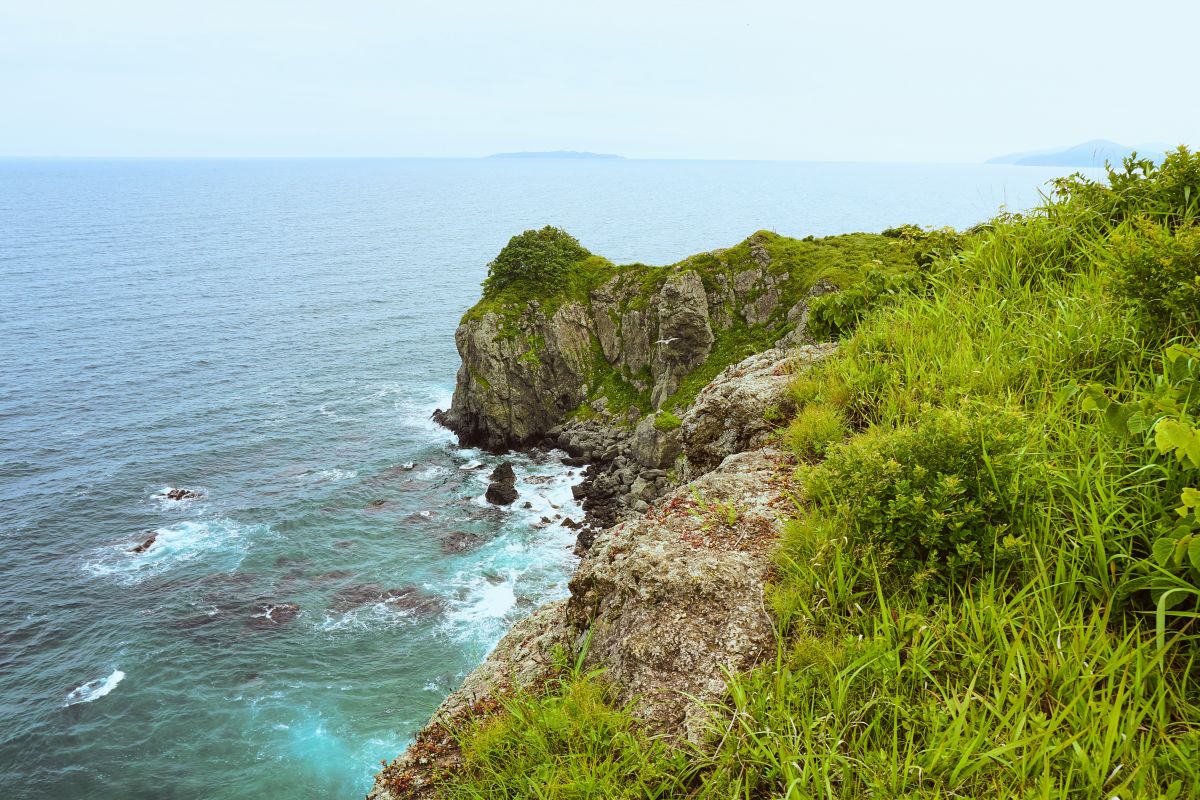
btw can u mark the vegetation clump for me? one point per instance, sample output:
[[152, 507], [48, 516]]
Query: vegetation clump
[[537, 259], [666, 421]]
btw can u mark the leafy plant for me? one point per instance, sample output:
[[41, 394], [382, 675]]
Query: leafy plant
[[535, 258], [939, 495], [834, 315], [1167, 419]]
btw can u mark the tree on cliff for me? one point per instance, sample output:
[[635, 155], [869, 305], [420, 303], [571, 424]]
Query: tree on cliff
[[537, 259]]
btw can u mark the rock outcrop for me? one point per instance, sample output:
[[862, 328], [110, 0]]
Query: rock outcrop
[[625, 341], [669, 384], [740, 409], [667, 598], [502, 491]]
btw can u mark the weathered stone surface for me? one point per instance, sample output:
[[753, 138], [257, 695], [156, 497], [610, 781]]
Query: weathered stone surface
[[729, 414], [684, 335], [673, 597], [654, 448], [512, 389]]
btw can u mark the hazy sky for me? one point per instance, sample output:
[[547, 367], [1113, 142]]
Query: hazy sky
[[919, 80]]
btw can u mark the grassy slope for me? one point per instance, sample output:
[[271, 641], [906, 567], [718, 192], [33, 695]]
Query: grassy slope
[[1029, 657]]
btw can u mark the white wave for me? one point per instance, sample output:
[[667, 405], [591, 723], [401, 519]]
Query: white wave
[[335, 475], [220, 542], [489, 601], [94, 690]]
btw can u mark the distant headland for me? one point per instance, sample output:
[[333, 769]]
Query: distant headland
[[1088, 154], [555, 154]]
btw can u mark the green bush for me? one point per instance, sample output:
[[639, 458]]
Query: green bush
[[666, 421], [837, 314], [537, 259], [1169, 192], [814, 429], [1166, 421], [1159, 270], [938, 496]]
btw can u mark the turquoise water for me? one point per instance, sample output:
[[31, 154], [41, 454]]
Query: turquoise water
[[275, 334]]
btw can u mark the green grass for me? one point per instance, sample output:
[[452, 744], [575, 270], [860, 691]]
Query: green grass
[[962, 604]]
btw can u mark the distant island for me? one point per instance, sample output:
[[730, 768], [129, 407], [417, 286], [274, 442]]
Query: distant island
[[1088, 154], [554, 154]]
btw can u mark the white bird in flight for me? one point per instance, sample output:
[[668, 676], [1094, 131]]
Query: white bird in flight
[[667, 341]]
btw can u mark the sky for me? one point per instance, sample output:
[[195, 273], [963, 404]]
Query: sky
[[920, 80]]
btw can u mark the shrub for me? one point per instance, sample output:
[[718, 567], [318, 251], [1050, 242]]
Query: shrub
[[1167, 420], [814, 429], [537, 259], [1160, 271], [666, 421], [1170, 191], [938, 496], [834, 315]]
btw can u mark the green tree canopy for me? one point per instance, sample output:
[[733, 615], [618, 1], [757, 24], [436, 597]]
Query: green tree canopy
[[538, 259]]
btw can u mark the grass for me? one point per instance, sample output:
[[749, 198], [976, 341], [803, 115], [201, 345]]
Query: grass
[[1004, 643]]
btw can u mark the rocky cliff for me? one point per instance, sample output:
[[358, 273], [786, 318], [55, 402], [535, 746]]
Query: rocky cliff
[[592, 338], [668, 599], [667, 382]]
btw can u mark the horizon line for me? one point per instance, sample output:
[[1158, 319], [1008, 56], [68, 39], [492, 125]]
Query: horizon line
[[490, 157]]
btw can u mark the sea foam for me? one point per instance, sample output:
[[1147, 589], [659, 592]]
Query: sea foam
[[94, 690]]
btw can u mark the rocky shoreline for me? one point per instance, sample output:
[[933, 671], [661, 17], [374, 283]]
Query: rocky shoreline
[[669, 384], [674, 554]]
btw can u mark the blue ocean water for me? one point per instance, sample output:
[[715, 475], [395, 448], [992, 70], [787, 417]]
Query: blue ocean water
[[274, 334]]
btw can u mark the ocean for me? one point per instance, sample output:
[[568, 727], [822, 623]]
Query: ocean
[[274, 334]]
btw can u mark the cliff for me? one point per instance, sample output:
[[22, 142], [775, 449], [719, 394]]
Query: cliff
[[665, 602], [563, 335], [957, 557], [671, 381]]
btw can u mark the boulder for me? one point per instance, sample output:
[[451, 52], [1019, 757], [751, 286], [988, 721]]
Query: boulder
[[729, 415], [502, 491], [654, 448]]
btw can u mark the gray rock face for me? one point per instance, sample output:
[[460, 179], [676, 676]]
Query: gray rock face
[[654, 448], [513, 388], [672, 599], [684, 335], [729, 415], [525, 370]]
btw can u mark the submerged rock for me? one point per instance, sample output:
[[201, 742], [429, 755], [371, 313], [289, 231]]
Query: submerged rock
[[454, 542], [146, 544], [271, 615], [414, 599], [181, 494], [350, 597]]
